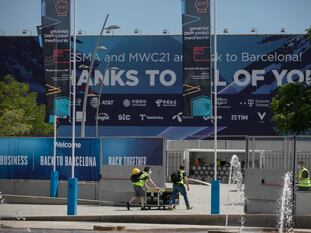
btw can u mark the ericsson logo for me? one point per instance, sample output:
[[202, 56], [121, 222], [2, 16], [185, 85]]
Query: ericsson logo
[[126, 103], [94, 102]]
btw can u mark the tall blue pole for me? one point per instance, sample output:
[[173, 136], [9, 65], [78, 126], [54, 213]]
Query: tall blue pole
[[215, 191], [54, 173], [72, 191]]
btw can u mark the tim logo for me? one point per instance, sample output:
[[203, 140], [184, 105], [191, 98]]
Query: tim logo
[[61, 7], [200, 54], [61, 56], [201, 6]]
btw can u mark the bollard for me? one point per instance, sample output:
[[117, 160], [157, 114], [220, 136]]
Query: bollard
[[72, 196], [54, 184], [215, 200]]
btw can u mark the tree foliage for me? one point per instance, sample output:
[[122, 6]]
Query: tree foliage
[[20, 115], [292, 108], [308, 31]]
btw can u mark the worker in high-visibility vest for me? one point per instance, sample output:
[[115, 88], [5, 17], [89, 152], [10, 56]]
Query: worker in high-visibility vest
[[303, 179], [139, 180]]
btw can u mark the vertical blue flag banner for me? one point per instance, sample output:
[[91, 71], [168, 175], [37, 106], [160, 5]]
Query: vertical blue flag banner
[[32, 158], [55, 39], [133, 151], [196, 57]]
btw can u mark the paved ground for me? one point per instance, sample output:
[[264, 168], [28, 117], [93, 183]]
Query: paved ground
[[199, 197]]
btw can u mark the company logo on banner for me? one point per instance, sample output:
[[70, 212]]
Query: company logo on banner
[[55, 36], [249, 77], [196, 58], [132, 151], [32, 158]]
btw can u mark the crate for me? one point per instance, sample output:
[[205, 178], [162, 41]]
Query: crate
[[159, 199]]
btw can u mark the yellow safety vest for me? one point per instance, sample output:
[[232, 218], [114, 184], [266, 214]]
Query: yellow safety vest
[[303, 182], [142, 179], [181, 177]]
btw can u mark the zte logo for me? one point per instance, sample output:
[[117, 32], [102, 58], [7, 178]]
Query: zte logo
[[239, 117], [124, 117]]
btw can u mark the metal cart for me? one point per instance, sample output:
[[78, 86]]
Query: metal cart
[[159, 199]]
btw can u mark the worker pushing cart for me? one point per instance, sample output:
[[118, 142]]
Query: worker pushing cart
[[139, 180]]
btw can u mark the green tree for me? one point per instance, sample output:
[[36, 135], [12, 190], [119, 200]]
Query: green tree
[[308, 31], [292, 108], [20, 115]]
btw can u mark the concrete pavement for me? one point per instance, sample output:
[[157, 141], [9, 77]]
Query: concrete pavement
[[50, 216]]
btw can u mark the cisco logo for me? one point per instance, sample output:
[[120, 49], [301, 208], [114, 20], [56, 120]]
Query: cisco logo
[[67, 145], [94, 102]]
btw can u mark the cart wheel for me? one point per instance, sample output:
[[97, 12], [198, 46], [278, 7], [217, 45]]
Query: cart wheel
[[149, 208], [159, 208]]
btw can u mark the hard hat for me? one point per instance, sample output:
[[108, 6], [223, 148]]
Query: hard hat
[[135, 171]]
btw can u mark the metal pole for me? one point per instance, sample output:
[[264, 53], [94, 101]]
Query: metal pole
[[294, 174], [54, 145], [99, 99], [215, 91], [86, 91], [74, 93]]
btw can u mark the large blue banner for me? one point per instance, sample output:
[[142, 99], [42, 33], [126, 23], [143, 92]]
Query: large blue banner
[[133, 151], [139, 81], [32, 158]]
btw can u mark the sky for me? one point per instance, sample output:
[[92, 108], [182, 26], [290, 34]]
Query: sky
[[153, 16]]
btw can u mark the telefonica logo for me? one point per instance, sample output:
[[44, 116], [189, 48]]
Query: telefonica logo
[[67, 145]]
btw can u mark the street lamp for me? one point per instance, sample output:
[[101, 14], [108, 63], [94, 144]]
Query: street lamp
[[165, 31], [226, 30], [86, 91], [81, 32], [283, 30], [137, 31], [254, 30], [99, 100], [26, 31]]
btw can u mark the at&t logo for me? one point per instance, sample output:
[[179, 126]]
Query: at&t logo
[[94, 102]]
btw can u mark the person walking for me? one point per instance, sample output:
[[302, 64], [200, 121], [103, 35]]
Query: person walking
[[179, 187], [303, 179], [139, 180]]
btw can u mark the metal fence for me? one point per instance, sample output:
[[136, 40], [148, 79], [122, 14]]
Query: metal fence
[[278, 152]]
